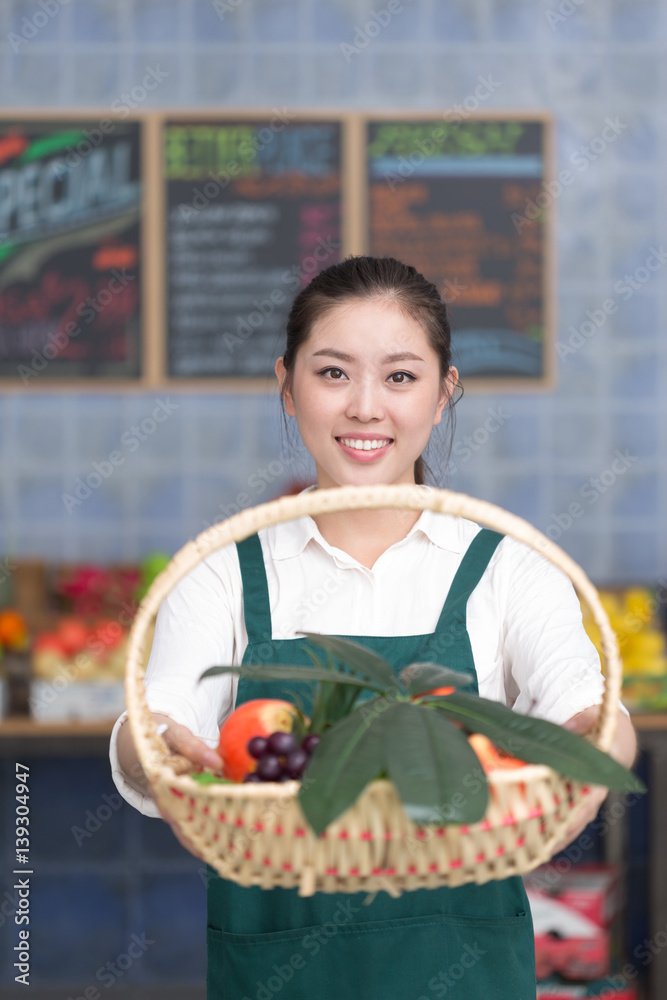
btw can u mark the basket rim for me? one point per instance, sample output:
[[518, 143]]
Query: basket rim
[[152, 750]]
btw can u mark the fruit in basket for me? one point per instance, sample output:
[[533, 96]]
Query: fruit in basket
[[491, 757], [280, 757], [13, 630], [419, 741], [260, 717]]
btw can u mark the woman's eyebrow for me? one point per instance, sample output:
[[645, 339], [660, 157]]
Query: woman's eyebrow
[[402, 356]]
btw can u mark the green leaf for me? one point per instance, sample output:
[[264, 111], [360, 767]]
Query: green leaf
[[538, 741], [348, 756], [420, 677], [289, 672], [208, 778], [360, 658], [436, 772]]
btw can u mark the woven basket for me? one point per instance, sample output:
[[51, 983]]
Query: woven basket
[[256, 834]]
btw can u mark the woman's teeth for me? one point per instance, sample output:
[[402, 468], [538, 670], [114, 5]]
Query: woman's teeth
[[366, 445]]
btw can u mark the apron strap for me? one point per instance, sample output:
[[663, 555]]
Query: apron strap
[[256, 607], [468, 575]]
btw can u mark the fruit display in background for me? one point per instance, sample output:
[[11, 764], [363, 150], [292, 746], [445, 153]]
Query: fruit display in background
[[13, 630], [151, 567], [257, 719], [633, 614], [90, 591]]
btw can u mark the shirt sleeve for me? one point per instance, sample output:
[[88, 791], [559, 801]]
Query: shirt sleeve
[[194, 629], [552, 669]]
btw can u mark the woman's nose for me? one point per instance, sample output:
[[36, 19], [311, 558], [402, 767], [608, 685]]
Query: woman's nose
[[365, 400]]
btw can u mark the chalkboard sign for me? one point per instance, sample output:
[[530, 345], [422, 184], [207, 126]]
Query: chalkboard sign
[[460, 201], [70, 234], [253, 212]]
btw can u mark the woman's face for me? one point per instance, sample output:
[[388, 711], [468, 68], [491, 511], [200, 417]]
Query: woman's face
[[366, 392]]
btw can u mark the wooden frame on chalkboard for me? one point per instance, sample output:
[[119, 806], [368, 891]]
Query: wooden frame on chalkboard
[[124, 261], [354, 238]]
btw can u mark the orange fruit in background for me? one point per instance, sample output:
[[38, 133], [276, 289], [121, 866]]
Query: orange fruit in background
[[442, 691], [13, 629], [258, 717], [491, 757], [72, 633]]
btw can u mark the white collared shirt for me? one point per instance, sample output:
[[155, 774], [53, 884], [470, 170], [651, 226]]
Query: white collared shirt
[[524, 621]]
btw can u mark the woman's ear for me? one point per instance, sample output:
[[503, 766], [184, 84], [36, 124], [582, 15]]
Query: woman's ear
[[448, 386], [281, 375]]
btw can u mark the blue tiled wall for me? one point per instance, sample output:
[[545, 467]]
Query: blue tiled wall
[[600, 61]]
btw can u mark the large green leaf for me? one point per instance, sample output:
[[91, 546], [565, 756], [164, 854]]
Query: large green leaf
[[538, 741], [348, 756], [435, 770], [358, 657], [290, 672], [420, 677]]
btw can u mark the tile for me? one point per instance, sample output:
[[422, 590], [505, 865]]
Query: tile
[[635, 196], [216, 21], [637, 432], [635, 78], [637, 316], [458, 21], [334, 21], [516, 23], [40, 497], [36, 24], [637, 495], [158, 497], [219, 78], [521, 495], [641, 139], [76, 925], [635, 378], [636, 20], [276, 20], [332, 75], [33, 78], [395, 75], [634, 556], [175, 917], [38, 435], [77, 815], [274, 78], [574, 433], [575, 77], [156, 21], [162, 68], [581, 24], [97, 76], [151, 430], [98, 21]]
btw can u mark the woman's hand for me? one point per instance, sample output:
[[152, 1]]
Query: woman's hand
[[623, 749], [189, 749]]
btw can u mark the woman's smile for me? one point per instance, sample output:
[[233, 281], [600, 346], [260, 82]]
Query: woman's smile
[[364, 447]]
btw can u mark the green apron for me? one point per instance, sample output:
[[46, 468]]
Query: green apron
[[471, 942]]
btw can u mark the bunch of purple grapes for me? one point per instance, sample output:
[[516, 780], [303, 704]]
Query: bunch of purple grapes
[[279, 757]]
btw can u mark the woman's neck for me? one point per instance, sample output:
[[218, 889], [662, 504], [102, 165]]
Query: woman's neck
[[365, 534]]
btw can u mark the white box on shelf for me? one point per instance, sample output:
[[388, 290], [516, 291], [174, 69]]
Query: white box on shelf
[[87, 701]]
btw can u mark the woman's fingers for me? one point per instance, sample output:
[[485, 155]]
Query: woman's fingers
[[180, 740]]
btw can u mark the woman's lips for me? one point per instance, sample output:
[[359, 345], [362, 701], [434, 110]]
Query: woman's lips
[[361, 455]]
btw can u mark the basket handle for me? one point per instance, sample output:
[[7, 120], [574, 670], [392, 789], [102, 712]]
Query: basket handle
[[152, 749]]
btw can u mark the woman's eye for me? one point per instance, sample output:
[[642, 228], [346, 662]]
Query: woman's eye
[[326, 370], [404, 375]]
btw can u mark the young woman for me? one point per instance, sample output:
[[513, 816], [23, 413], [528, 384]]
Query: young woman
[[367, 374]]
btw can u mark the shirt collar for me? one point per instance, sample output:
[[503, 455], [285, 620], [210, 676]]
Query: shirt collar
[[289, 538]]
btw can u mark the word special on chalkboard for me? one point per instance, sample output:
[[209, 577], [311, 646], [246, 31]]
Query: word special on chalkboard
[[457, 199], [253, 212], [70, 232]]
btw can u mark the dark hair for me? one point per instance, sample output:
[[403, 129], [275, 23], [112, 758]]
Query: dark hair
[[360, 277]]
